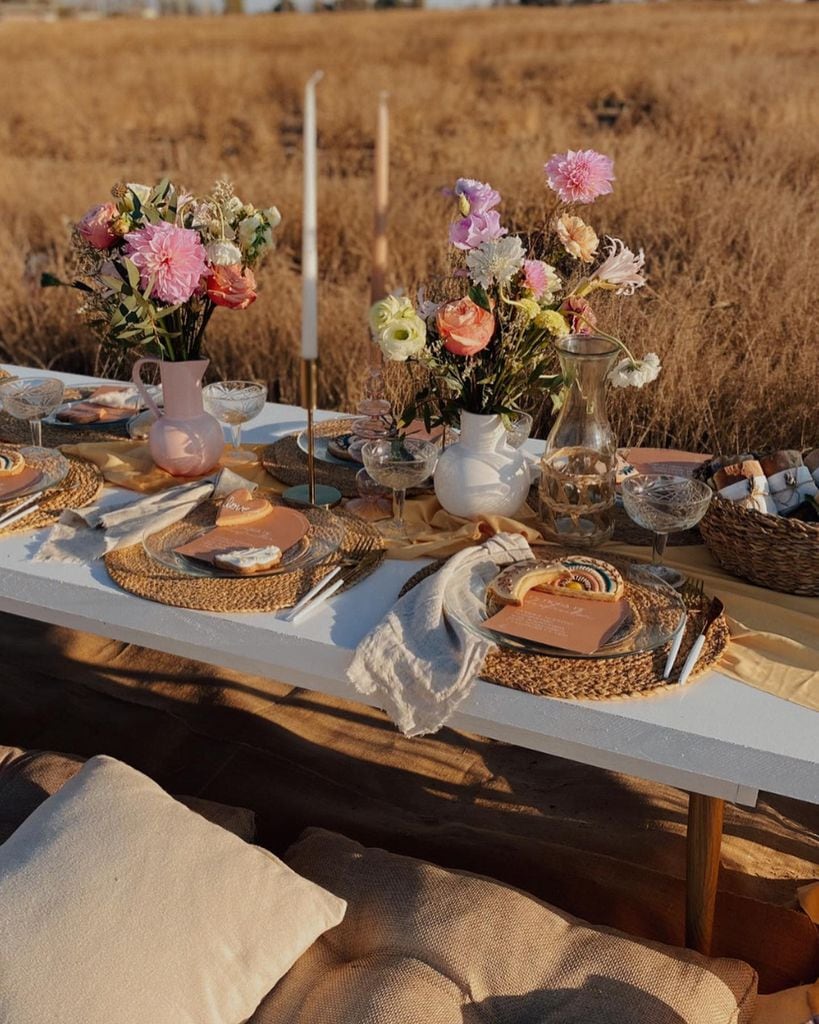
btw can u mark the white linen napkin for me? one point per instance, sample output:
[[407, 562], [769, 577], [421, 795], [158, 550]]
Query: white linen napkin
[[83, 535], [125, 397], [420, 664]]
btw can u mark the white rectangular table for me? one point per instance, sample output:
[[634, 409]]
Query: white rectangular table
[[717, 739]]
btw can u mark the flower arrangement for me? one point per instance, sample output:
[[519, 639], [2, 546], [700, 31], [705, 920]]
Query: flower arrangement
[[157, 261], [488, 348]]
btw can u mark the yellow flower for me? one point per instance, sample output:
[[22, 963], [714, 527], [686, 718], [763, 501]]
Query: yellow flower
[[579, 240], [121, 225], [529, 307], [553, 322]]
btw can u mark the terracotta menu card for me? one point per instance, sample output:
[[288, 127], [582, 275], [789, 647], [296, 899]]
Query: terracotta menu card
[[13, 483], [283, 527], [571, 623]]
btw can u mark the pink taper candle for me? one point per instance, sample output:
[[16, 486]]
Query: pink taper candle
[[378, 287], [309, 246]]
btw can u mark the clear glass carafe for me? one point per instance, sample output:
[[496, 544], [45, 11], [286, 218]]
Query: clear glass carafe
[[577, 469]]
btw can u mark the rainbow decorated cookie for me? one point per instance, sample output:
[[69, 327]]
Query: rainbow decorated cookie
[[572, 576], [11, 461]]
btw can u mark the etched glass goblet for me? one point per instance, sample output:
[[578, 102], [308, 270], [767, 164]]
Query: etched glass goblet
[[234, 403], [665, 504], [31, 398], [399, 463]]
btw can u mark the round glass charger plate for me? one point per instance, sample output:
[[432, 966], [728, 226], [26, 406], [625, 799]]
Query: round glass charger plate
[[656, 614], [320, 442], [52, 466], [83, 393], [317, 546]]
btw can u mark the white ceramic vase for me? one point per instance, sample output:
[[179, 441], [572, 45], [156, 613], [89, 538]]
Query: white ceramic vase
[[481, 474]]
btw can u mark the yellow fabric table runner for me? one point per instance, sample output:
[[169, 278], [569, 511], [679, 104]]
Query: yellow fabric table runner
[[129, 464], [775, 637]]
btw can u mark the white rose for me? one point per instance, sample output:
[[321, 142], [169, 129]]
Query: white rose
[[272, 216], [247, 230], [223, 253], [635, 374], [386, 310], [402, 338]]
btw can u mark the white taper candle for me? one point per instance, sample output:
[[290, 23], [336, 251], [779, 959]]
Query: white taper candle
[[309, 244], [378, 288]]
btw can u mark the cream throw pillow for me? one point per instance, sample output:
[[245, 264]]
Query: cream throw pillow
[[121, 906]]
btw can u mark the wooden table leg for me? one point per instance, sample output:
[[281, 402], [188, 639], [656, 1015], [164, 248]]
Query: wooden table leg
[[705, 814]]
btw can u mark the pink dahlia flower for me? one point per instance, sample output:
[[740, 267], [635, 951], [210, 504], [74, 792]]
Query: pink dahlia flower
[[174, 257], [95, 226], [580, 176], [469, 232], [540, 278]]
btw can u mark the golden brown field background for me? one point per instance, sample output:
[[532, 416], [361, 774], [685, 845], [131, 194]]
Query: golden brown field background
[[715, 148]]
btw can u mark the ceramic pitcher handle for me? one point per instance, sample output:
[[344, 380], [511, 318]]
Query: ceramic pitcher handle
[[140, 384]]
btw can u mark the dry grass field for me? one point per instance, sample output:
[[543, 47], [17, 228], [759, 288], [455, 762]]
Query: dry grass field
[[714, 133]]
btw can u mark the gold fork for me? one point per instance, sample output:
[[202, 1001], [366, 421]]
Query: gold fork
[[692, 591]]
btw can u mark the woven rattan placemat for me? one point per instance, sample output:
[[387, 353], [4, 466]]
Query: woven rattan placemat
[[18, 432], [285, 461], [596, 679], [82, 484], [135, 571]]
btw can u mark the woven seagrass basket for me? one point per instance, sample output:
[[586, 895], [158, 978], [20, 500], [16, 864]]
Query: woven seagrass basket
[[772, 551]]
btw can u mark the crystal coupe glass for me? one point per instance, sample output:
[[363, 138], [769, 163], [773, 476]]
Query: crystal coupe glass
[[665, 504], [399, 463], [31, 398], [234, 403]]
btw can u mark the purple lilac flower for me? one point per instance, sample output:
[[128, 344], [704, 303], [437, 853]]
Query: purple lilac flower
[[479, 195]]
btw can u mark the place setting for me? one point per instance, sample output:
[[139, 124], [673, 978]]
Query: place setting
[[245, 552], [36, 482], [67, 415]]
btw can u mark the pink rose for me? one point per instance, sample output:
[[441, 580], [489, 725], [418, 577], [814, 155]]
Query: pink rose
[[465, 327], [231, 286], [95, 226]]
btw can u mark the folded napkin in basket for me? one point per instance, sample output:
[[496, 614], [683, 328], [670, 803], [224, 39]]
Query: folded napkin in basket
[[82, 535], [419, 664]]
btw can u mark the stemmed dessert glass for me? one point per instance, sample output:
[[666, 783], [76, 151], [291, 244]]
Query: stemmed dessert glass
[[665, 504], [234, 403], [399, 463], [31, 398]]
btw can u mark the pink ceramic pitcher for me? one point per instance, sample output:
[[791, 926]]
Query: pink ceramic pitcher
[[185, 440]]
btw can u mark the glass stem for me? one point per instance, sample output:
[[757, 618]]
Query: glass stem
[[36, 432], [398, 497], [659, 541], [236, 436]]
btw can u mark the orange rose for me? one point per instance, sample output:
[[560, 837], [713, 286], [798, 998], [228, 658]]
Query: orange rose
[[231, 286], [465, 327]]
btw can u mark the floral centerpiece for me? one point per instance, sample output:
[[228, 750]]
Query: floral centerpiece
[[155, 262], [488, 348], [489, 336]]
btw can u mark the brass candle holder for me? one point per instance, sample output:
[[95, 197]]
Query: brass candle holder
[[311, 494]]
